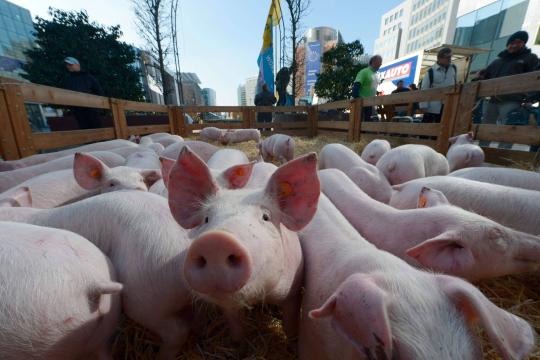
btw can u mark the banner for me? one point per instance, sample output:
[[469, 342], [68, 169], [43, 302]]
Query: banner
[[313, 65], [401, 70], [266, 56]]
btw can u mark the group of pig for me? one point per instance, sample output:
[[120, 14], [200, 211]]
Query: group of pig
[[149, 227]]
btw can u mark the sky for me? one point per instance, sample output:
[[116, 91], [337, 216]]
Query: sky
[[221, 40]]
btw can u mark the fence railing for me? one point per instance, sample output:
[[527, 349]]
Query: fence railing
[[342, 119]]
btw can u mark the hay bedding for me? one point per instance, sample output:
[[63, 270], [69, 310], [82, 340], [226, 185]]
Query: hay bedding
[[265, 338]]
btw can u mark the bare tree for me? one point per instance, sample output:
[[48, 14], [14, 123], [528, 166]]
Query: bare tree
[[298, 9], [176, 52], [152, 18]]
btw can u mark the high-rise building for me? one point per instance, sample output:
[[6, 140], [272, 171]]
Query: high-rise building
[[16, 35], [488, 24], [241, 92], [209, 97], [251, 90], [415, 25]]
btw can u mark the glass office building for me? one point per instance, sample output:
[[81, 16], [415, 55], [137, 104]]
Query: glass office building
[[490, 27], [16, 35]]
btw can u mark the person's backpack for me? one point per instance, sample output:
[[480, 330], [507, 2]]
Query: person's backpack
[[430, 74]]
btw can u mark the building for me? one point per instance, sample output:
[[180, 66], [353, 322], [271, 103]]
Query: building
[[192, 90], [488, 24], [416, 25], [241, 92], [251, 90], [16, 35], [209, 97], [314, 44]]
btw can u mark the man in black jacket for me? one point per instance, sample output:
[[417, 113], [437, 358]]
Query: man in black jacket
[[516, 59], [265, 98], [82, 81]]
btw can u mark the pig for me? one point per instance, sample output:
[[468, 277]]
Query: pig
[[513, 207], [262, 171], [366, 176], [203, 149], [59, 295], [42, 158], [139, 234], [9, 179], [20, 196], [279, 147], [234, 136], [438, 236], [244, 247], [148, 160], [126, 151], [374, 150], [211, 133], [364, 303], [225, 158], [167, 140], [463, 153], [411, 161], [501, 176]]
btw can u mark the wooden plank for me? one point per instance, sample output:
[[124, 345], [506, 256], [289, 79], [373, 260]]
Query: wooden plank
[[59, 139], [180, 121], [119, 119], [142, 106], [283, 125], [8, 145], [410, 96], [246, 116], [510, 84], [172, 121], [51, 95], [282, 109], [342, 104], [147, 129], [202, 109], [507, 157], [339, 125], [313, 114], [19, 119], [397, 141], [220, 125], [358, 119], [402, 128], [467, 102], [526, 134], [448, 118]]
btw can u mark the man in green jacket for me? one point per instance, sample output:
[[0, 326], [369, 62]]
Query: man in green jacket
[[365, 84]]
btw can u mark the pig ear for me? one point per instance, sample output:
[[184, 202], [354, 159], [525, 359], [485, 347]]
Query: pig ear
[[510, 335], [470, 135], [166, 166], [18, 197], [452, 140], [359, 301], [429, 197], [295, 187], [444, 253], [190, 184], [150, 177], [237, 176], [88, 171]]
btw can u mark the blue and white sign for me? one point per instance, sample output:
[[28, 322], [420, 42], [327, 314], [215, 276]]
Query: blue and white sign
[[404, 69], [313, 65]]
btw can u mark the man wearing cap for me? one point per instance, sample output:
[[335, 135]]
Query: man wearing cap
[[516, 59], [82, 81]]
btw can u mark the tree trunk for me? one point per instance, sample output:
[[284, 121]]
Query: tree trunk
[[161, 59], [294, 65]]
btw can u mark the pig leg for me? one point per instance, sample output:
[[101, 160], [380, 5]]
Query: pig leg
[[173, 332]]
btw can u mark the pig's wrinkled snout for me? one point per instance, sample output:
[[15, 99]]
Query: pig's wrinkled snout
[[217, 263]]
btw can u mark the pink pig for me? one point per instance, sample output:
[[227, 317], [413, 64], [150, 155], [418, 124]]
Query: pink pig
[[203, 149], [364, 303], [438, 236], [375, 150], [20, 196], [233, 136], [211, 133], [501, 176], [279, 147], [463, 153], [58, 295]]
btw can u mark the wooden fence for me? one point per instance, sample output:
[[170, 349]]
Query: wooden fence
[[342, 119]]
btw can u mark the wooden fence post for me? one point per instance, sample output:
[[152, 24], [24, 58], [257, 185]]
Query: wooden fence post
[[19, 119], [355, 119], [450, 110], [179, 120], [467, 102], [119, 119], [313, 117], [246, 117], [172, 121], [8, 145], [252, 117]]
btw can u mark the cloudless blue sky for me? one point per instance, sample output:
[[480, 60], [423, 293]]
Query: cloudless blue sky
[[220, 40]]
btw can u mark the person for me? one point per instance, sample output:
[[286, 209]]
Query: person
[[82, 81], [516, 59], [265, 98], [283, 77], [365, 84], [400, 87], [401, 109], [413, 87], [442, 74], [415, 106]]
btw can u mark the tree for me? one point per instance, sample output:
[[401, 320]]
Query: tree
[[340, 66], [97, 48], [154, 21], [298, 9]]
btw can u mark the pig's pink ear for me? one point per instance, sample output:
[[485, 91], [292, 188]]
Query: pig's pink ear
[[444, 253], [429, 197], [166, 166], [295, 188], [190, 184], [237, 176], [19, 197], [150, 177], [359, 301], [512, 336], [452, 140], [88, 171], [470, 136]]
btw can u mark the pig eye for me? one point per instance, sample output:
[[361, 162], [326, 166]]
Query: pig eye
[[266, 217], [206, 220], [111, 185]]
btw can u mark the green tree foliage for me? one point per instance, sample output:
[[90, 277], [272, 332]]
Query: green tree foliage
[[340, 66], [96, 47]]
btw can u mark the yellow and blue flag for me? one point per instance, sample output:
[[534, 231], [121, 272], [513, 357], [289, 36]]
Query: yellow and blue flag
[[266, 56]]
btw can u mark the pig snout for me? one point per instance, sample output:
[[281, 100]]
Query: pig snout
[[217, 263]]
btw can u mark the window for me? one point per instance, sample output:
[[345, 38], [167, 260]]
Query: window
[[386, 21], [401, 12], [486, 24], [512, 16]]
